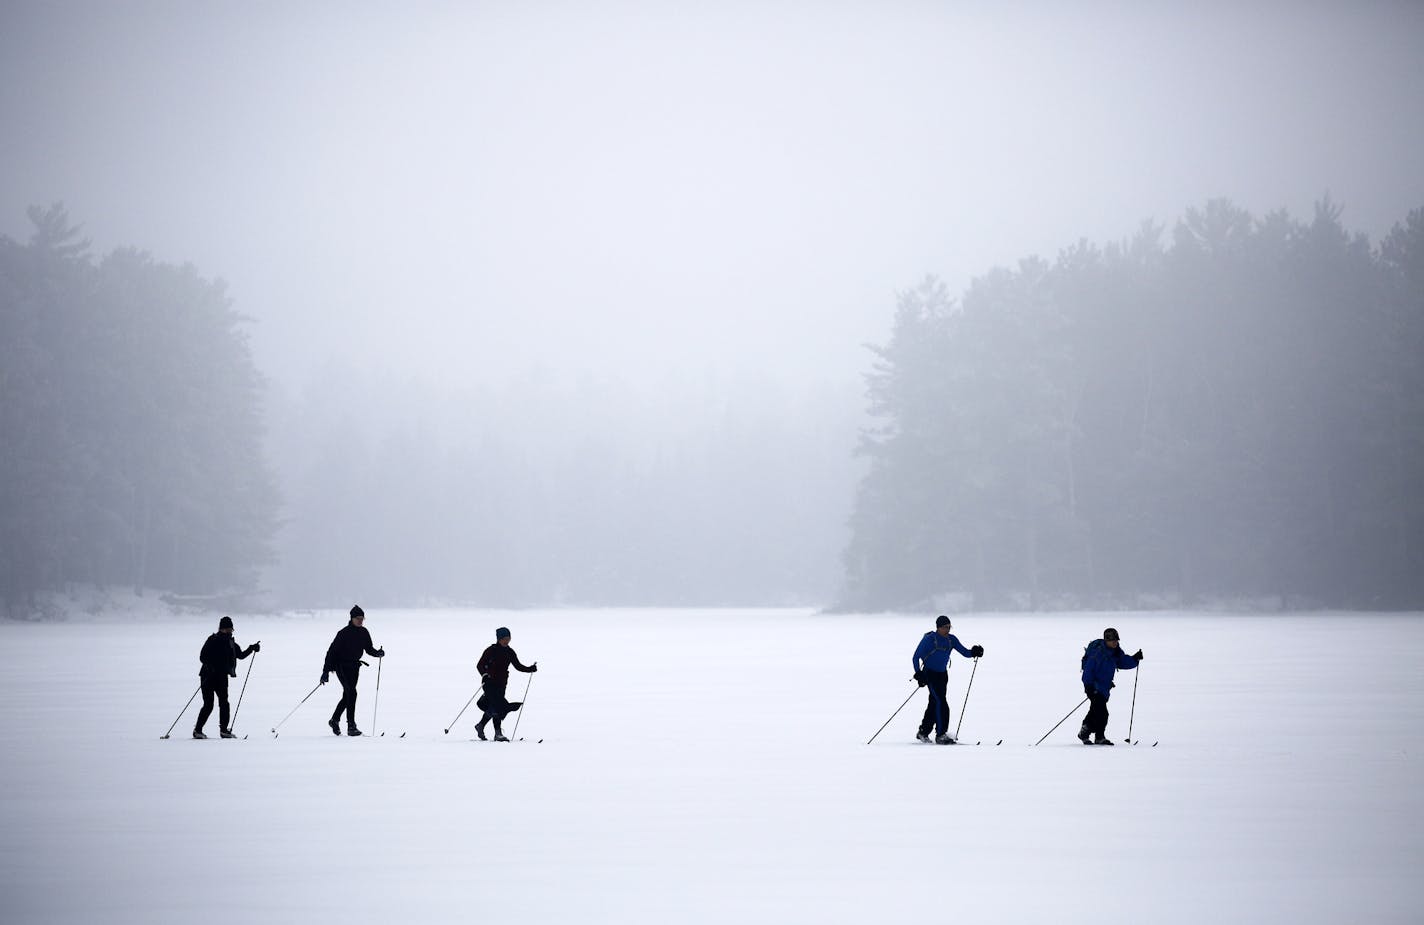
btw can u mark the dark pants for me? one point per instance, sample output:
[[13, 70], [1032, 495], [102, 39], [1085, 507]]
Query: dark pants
[[494, 703], [214, 684], [937, 710], [347, 675], [1097, 719]]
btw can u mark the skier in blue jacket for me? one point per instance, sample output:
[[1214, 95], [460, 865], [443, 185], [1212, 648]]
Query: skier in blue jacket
[[1101, 660], [931, 665]]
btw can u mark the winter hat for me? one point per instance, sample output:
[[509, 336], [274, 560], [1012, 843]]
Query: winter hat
[[941, 620], [501, 633], [356, 611], [1110, 633], [225, 623]]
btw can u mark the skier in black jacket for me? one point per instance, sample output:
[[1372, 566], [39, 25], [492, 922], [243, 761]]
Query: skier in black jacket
[[219, 657], [493, 667], [343, 656]]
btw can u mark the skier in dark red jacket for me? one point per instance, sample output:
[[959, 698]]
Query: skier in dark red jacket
[[493, 667]]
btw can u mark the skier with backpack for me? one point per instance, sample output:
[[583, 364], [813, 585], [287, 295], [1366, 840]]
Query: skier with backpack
[[1101, 660], [931, 666]]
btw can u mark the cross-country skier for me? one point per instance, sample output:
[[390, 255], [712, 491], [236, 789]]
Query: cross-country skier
[[493, 667], [343, 656], [1101, 660], [931, 664], [219, 657]]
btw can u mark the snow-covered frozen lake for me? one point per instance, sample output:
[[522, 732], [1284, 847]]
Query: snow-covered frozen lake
[[711, 766]]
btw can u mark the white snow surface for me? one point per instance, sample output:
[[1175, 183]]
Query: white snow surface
[[712, 766]]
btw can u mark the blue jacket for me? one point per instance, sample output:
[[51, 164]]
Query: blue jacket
[[934, 651], [1100, 663]]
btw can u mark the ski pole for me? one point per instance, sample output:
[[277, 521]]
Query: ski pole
[[1061, 721], [521, 705], [297, 707], [966, 698], [464, 708], [893, 715], [377, 705], [180, 714], [244, 689], [1133, 713]]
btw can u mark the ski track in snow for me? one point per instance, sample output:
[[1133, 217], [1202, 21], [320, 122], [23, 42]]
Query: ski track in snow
[[711, 766]]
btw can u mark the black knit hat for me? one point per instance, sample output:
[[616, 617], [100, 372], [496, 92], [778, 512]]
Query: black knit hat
[[356, 611], [941, 620], [501, 633], [1110, 633], [225, 623]]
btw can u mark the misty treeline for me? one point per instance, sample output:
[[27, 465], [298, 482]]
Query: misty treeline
[[549, 489], [1235, 411], [1232, 409], [140, 448], [130, 431]]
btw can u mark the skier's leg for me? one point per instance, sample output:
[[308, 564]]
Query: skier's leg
[[1097, 719], [496, 704], [348, 685], [939, 684], [207, 709], [224, 714], [928, 720]]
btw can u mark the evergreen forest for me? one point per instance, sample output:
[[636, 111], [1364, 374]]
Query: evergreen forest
[[1233, 410], [1230, 409], [131, 434]]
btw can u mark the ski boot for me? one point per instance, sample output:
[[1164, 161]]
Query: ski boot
[[227, 734], [499, 736], [198, 734], [923, 737], [1083, 734], [1101, 739], [351, 730], [944, 739], [335, 727], [480, 732]]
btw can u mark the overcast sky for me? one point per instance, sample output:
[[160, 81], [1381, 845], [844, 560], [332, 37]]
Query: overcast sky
[[475, 190]]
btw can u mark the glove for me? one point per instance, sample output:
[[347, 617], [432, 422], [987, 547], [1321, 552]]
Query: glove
[[976, 651], [534, 667], [256, 647], [1138, 655], [381, 653], [324, 675], [484, 678], [920, 677]]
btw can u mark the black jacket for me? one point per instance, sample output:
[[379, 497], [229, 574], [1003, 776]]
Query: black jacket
[[345, 650], [220, 654], [496, 661]]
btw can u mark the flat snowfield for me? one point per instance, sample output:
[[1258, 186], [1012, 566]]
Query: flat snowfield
[[712, 766]]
